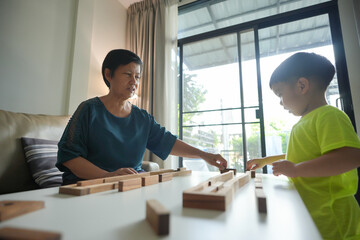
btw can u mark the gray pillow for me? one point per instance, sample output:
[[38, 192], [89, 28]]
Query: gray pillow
[[41, 157]]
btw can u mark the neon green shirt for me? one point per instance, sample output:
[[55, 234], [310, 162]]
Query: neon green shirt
[[330, 200]]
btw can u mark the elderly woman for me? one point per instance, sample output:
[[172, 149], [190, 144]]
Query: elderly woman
[[107, 135]]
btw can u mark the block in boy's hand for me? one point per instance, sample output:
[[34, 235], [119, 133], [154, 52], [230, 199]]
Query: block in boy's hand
[[227, 170]]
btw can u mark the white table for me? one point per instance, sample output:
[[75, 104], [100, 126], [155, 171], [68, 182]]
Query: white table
[[121, 215]]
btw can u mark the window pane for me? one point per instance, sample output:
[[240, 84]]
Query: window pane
[[248, 69], [226, 140], [213, 117], [211, 74]]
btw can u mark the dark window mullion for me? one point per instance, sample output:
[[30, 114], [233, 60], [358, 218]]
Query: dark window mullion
[[262, 128], [242, 103]]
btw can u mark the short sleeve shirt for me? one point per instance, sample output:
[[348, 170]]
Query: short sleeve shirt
[[111, 142], [330, 200]]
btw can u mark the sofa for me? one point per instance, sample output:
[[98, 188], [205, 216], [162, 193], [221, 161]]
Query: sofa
[[15, 174]]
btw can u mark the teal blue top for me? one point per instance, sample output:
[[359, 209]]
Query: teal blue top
[[111, 142]]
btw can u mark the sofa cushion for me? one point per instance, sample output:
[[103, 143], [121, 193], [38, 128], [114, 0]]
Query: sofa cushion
[[41, 156]]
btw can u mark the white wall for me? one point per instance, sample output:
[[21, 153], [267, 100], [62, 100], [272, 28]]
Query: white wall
[[35, 49], [51, 52], [352, 51], [106, 36]]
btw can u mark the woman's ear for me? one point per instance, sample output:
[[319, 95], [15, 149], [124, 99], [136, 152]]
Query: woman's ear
[[303, 85]]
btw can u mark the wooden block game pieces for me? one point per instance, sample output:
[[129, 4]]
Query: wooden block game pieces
[[181, 173], [75, 190], [90, 182], [253, 173], [258, 185], [261, 200], [27, 234], [165, 177], [149, 180], [129, 184], [215, 193], [228, 169], [11, 209], [105, 184], [158, 217]]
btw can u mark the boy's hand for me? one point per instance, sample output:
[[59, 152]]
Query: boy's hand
[[255, 164], [284, 167]]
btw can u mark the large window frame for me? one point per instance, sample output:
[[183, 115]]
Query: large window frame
[[330, 8]]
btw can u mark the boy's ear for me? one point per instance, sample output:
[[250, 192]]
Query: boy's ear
[[108, 74], [303, 85]]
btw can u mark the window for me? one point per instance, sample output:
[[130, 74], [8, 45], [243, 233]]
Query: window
[[226, 105]]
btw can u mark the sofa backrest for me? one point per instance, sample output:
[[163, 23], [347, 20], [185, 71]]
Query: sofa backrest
[[14, 172]]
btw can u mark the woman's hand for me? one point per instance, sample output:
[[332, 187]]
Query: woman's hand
[[284, 167], [255, 164], [215, 160], [122, 171]]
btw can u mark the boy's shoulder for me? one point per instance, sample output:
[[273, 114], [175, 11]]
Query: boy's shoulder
[[326, 111]]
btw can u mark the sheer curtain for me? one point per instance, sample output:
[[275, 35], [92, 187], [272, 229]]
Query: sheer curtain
[[151, 32]]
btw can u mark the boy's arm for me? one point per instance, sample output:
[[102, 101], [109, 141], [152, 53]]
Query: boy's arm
[[261, 162], [330, 164]]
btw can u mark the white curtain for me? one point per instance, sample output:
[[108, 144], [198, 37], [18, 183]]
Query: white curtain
[[152, 34]]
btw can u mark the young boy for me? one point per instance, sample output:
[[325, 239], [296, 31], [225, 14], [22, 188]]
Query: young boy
[[323, 151]]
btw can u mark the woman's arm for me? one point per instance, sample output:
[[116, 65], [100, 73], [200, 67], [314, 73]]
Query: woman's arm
[[183, 149], [330, 164], [84, 169], [256, 163]]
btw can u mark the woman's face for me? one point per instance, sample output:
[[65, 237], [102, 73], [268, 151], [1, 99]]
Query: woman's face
[[125, 80]]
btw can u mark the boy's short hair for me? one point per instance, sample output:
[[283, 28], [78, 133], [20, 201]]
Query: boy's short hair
[[305, 65], [116, 58]]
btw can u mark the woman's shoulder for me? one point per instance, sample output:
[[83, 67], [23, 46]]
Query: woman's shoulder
[[141, 112], [87, 106]]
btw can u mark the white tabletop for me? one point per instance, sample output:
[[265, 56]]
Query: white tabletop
[[121, 215]]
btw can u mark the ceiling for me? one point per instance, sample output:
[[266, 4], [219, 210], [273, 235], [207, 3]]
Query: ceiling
[[127, 3], [215, 14]]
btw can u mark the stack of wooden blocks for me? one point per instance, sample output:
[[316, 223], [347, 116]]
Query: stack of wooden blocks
[[122, 183], [215, 193]]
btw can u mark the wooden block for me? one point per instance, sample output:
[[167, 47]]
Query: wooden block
[[181, 169], [75, 190], [165, 177], [158, 217], [27, 234], [222, 177], [261, 200], [182, 173], [213, 188], [72, 189], [11, 209], [129, 184], [90, 182], [258, 179], [212, 201], [243, 179], [258, 185], [253, 174], [162, 171], [149, 180], [125, 177], [228, 169], [101, 187]]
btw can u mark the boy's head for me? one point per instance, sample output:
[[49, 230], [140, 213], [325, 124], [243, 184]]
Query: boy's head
[[311, 66], [301, 81]]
